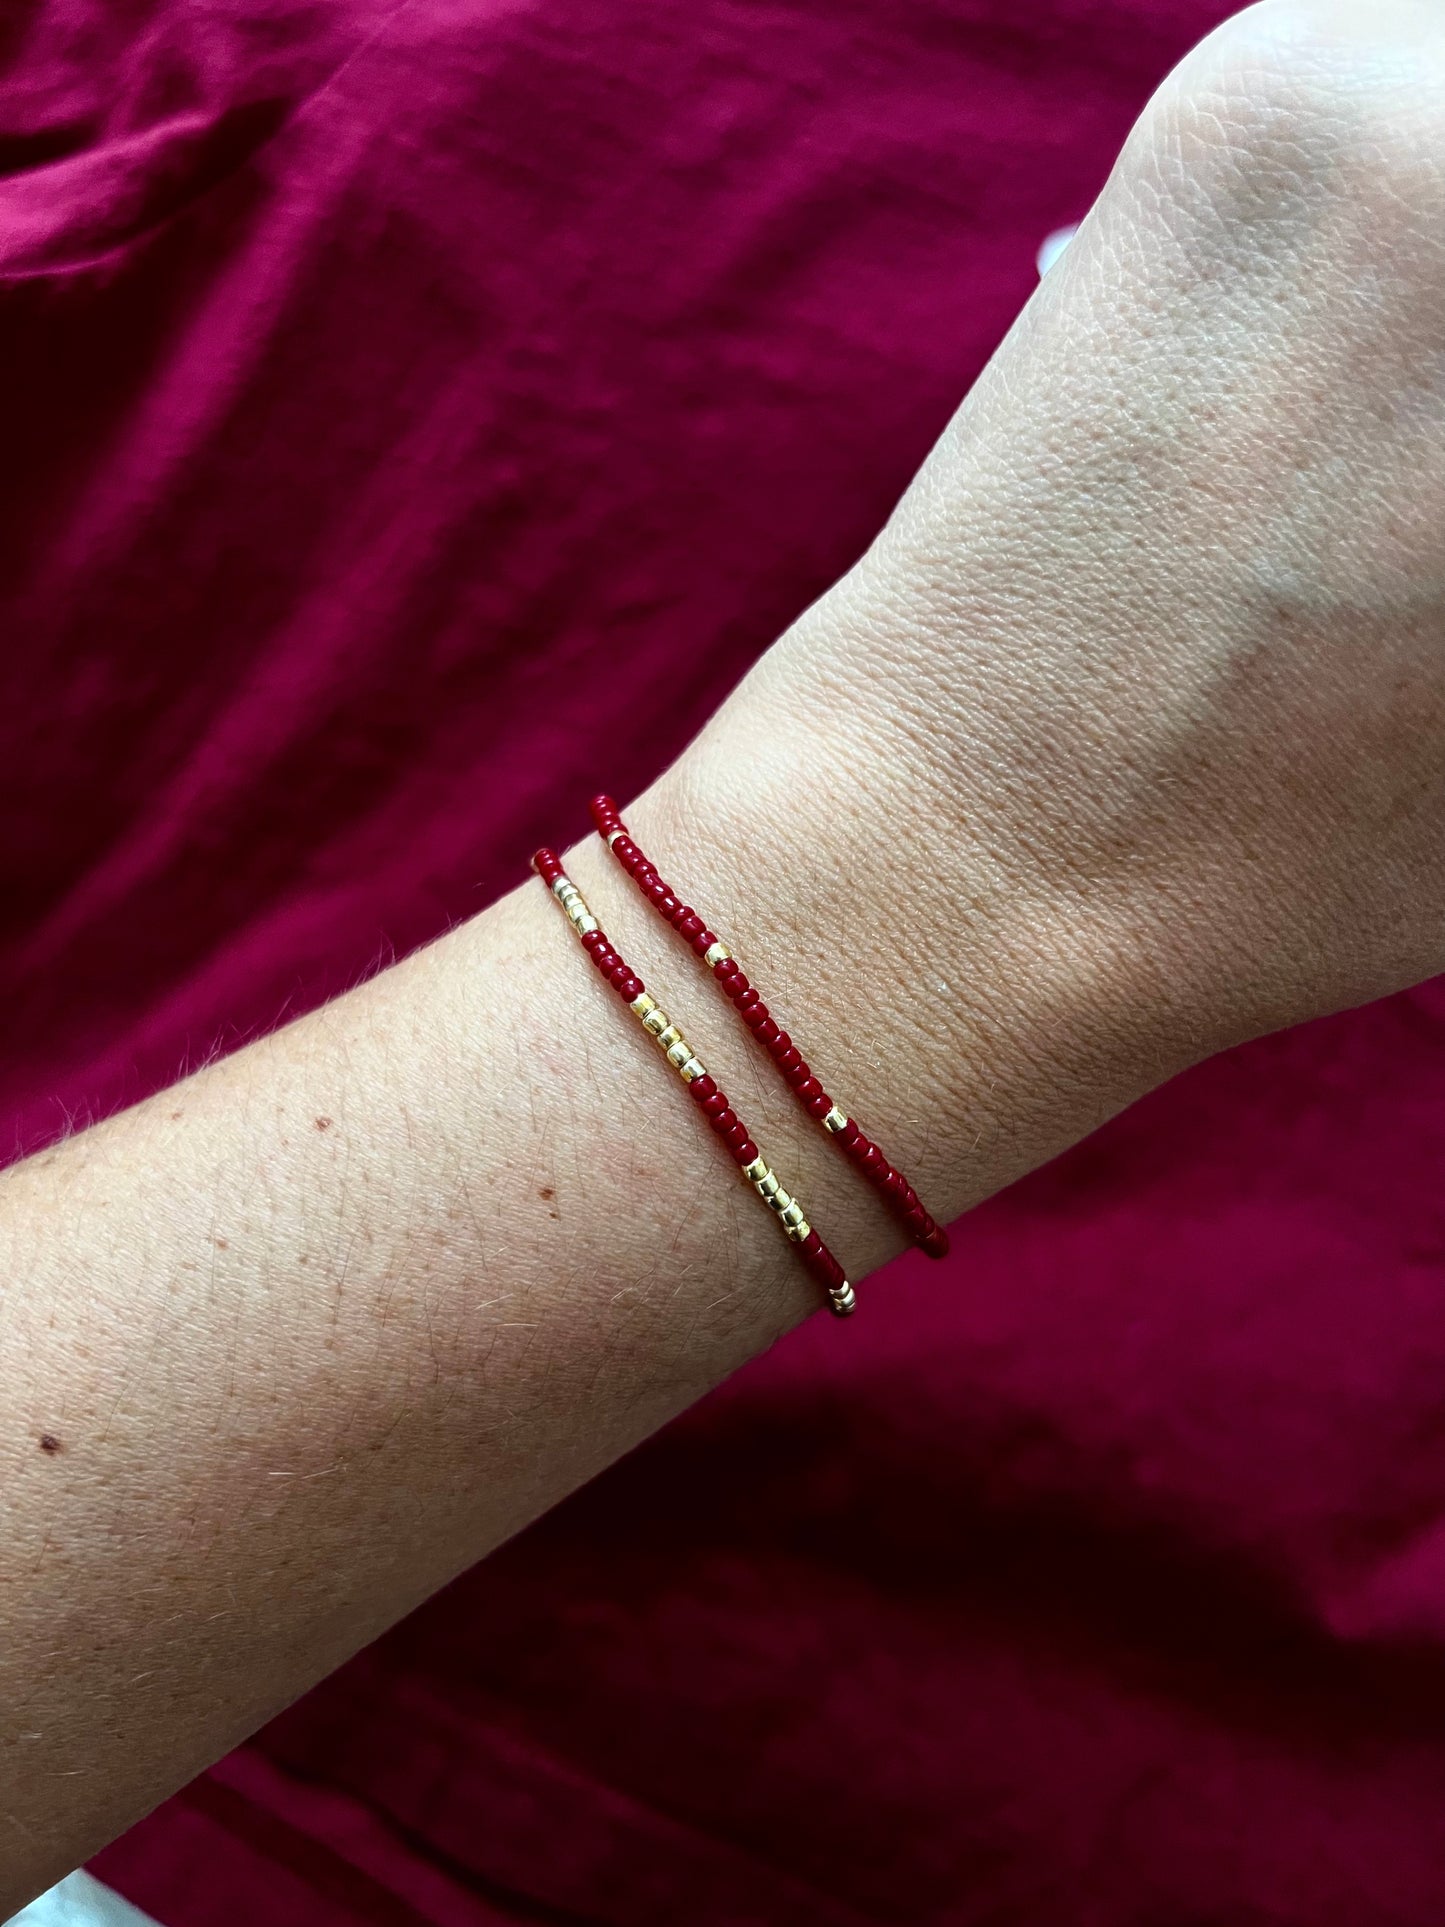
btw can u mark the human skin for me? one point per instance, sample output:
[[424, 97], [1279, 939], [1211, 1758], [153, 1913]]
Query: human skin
[[1124, 742]]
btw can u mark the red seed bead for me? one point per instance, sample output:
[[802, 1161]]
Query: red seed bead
[[611, 964], [891, 1185], [936, 1242], [821, 1262]]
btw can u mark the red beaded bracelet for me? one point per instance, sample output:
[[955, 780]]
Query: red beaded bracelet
[[712, 1102], [894, 1189]]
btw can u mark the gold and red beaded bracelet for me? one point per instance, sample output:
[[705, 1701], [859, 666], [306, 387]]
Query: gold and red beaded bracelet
[[889, 1182], [702, 1088]]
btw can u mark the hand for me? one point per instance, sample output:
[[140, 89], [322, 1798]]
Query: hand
[[1144, 684], [1124, 741]]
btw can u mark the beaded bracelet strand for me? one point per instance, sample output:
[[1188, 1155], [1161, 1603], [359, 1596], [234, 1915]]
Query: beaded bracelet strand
[[889, 1182], [703, 1089]]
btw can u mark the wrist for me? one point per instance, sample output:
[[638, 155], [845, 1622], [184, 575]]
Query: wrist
[[974, 1018]]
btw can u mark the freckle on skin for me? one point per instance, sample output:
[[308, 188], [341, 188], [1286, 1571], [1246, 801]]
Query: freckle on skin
[[546, 1192], [323, 1123], [176, 1116], [49, 1443], [221, 1244]]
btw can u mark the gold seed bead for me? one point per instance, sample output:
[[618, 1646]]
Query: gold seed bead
[[613, 836], [679, 1052]]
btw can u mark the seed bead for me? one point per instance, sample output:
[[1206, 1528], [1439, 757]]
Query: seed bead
[[712, 1102], [892, 1188]]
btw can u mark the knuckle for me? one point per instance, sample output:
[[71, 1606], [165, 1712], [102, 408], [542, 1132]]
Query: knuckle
[[1295, 105]]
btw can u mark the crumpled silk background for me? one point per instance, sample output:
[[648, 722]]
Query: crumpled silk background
[[415, 416]]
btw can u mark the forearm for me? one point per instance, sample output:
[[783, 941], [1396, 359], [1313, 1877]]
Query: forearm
[[1123, 743], [295, 1341]]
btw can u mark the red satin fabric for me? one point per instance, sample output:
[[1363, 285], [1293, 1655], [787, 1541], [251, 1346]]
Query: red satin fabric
[[379, 380]]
